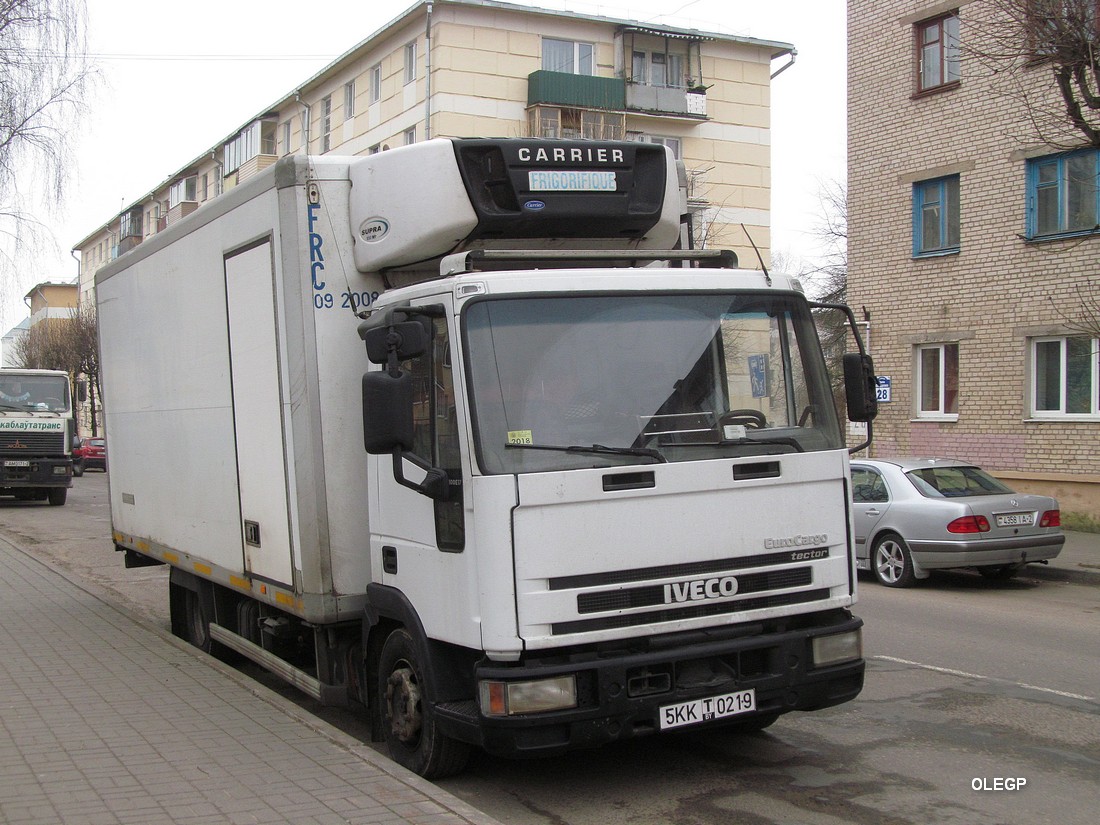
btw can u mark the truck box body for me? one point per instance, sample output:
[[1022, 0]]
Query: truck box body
[[239, 399], [230, 403]]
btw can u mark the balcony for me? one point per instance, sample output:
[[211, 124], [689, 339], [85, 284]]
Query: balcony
[[615, 94], [666, 100], [578, 91]]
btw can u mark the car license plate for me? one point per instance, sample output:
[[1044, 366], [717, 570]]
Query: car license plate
[[706, 710], [1014, 520], [17, 464]]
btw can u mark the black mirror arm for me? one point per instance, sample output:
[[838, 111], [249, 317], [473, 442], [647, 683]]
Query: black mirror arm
[[435, 485]]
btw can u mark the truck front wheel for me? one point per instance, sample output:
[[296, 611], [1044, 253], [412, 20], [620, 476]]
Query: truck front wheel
[[57, 496], [408, 721]]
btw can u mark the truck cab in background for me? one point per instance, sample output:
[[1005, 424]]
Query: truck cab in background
[[36, 434]]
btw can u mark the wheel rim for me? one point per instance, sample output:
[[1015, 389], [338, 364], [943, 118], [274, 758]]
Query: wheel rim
[[403, 705], [889, 561]]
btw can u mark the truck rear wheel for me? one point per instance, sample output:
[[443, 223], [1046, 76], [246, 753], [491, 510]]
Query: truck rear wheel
[[408, 720]]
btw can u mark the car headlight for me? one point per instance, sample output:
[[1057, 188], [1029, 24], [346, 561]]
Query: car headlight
[[837, 648], [511, 698]]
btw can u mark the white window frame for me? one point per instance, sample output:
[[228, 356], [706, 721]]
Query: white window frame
[[410, 62], [184, 190], [579, 56], [410, 136], [375, 73], [326, 124], [1037, 373], [674, 143], [286, 137], [349, 100], [944, 381]]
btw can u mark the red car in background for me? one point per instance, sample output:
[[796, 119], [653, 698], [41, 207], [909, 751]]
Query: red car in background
[[89, 454]]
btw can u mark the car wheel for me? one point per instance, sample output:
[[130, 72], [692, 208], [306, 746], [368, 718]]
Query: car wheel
[[78, 470], [892, 562], [1000, 572], [408, 720]]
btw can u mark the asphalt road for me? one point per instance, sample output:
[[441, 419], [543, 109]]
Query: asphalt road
[[982, 705]]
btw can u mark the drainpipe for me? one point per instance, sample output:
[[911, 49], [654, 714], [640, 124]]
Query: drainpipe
[[428, 76], [783, 68], [307, 117]]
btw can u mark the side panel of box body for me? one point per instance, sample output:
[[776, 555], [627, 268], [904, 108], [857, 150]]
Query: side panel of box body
[[190, 472]]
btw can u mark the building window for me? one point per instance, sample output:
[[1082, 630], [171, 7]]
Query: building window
[[410, 62], [326, 124], [410, 136], [672, 143], [375, 82], [568, 56], [658, 69], [1063, 196], [937, 380], [936, 216], [1064, 377], [374, 150], [349, 100], [183, 191], [286, 137], [258, 138], [938, 53]]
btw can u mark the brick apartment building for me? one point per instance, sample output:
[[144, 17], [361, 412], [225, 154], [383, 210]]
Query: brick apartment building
[[970, 240], [479, 68]]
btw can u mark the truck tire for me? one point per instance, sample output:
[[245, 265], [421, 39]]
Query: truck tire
[[408, 721], [57, 496], [196, 627]]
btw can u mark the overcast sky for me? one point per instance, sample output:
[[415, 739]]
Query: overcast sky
[[179, 77]]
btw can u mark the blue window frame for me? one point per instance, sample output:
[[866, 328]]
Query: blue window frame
[[1062, 194], [936, 216]]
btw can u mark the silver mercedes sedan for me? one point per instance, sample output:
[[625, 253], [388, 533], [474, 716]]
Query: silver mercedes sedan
[[913, 515]]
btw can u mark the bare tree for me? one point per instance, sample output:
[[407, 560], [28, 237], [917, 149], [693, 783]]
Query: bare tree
[[44, 74], [66, 344], [1046, 55]]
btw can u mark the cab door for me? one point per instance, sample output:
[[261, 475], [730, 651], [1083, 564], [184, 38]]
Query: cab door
[[420, 540]]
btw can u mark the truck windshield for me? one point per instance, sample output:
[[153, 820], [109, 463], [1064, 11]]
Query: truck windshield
[[34, 393], [575, 381]]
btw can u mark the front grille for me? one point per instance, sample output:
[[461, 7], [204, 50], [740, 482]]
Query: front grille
[[655, 593], [16, 444], [689, 612], [686, 570]]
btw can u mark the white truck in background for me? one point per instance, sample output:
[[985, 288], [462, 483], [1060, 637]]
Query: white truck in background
[[36, 435], [580, 486]]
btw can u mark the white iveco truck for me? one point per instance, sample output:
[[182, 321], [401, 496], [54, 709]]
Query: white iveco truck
[[453, 433]]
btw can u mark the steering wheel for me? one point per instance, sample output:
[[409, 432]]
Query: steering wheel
[[748, 418]]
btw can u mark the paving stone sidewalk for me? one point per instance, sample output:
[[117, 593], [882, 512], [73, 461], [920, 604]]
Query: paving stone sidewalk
[[105, 719]]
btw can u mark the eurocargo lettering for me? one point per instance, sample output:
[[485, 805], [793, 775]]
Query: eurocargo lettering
[[486, 459]]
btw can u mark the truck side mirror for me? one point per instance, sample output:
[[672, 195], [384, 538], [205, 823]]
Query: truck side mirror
[[406, 339], [859, 387], [388, 428], [387, 411]]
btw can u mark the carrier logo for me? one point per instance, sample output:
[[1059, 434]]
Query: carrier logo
[[795, 541], [573, 154], [700, 590]]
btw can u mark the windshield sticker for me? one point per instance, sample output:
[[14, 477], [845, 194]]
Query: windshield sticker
[[520, 437]]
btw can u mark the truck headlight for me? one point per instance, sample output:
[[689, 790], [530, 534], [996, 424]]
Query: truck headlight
[[511, 698], [837, 648], [60, 471]]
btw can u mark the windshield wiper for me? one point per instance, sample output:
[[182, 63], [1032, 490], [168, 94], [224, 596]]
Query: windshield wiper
[[747, 442], [595, 448]]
